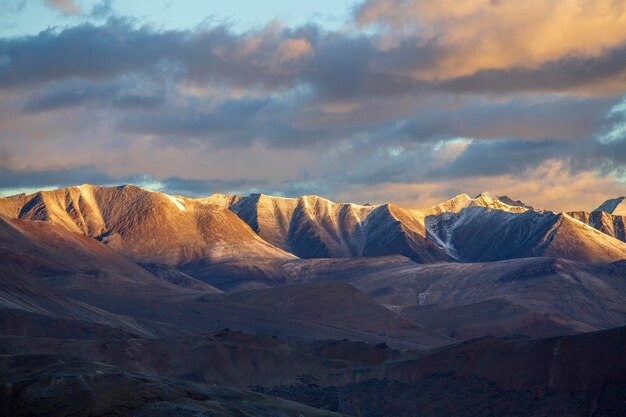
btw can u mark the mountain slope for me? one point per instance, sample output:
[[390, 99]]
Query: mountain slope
[[313, 227], [531, 297], [143, 225], [37, 259], [395, 231], [577, 241], [227, 357], [463, 228], [49, 275], [608, 224], [309, 226], [478, 234], [338, 304], [157, 228], [267, 215]]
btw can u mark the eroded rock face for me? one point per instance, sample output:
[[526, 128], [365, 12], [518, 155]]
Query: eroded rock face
[[609, 218], [610, 224]]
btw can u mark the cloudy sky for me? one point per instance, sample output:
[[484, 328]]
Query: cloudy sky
[[407, 101]]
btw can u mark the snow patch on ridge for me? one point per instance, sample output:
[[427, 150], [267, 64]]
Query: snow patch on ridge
[[178, 202]]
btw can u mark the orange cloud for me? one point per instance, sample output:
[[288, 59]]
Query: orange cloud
[[487, 34], [293, 49], [64, 6]]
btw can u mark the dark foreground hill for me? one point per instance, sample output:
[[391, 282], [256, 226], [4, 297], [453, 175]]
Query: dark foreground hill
[[39, 385], [581, 375]]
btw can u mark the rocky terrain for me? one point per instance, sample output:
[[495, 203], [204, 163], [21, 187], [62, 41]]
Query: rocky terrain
[[123, 301], [60, 386], [486, 376], [153, 227], [532, 297], [143, 225]]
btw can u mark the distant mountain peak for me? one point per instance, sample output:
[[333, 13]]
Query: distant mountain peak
[[453, 205], [485, 200], [519, 203], [462, 201], [615, 206]]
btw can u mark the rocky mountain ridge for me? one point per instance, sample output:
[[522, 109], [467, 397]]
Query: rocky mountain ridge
[[153, 227]]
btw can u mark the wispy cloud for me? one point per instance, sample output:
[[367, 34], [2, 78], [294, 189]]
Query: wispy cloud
[[64, 6]]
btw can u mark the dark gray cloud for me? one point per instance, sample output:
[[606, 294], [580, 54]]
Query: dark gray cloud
[[604, 158], [86, 52], [67, 97], [79, 93], [501, 157], [13, 179], [335, 65], [230, 123], [205, 187], [556, 119], [117, 48]]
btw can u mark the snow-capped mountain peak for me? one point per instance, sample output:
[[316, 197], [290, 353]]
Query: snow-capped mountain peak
[[484, 200], [463, 201]]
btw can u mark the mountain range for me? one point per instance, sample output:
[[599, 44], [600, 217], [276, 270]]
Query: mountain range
[[322, 303], [156, 227]]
